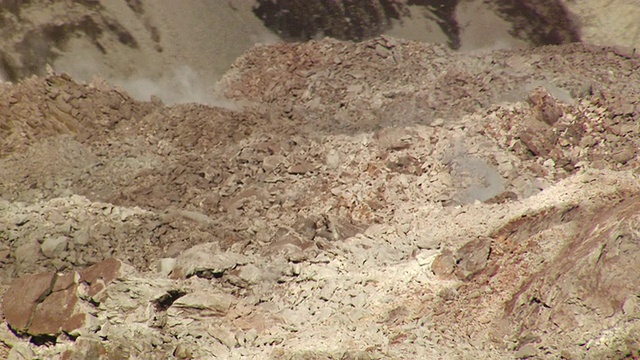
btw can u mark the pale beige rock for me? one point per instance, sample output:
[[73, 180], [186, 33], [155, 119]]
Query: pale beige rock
[[206, 300]]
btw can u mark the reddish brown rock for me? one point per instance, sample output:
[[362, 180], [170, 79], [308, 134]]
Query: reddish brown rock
[[444, 265], [472, 257], [48, 304], [537, 141], [100, 275], [588, 283], [545, 106], [22, 298], [51, 316]]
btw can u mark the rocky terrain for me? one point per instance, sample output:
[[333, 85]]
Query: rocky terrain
[[380, 199]]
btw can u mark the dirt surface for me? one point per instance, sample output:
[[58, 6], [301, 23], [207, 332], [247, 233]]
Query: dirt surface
[[377, 199]]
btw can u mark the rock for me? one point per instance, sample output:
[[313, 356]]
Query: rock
[[536, 141], [201, 261], [545, 106], [306, 227], [222, 334], [44, 304], [81, 237], [195, 216], [630, 306], [21, 299], [394, 138], [246, 338], [98, 276], [27, 253], [183, 352], [526, 352], [427, 243], [56, 217], [8, 337], [52, 247], [217, 302], [426, 257], [86, 348], [623, 154], [444, 264], [57, 313], [300, 169], [165, 266], [272, 162], [472, 257], [21, 351], [333, 159], [251, 274]]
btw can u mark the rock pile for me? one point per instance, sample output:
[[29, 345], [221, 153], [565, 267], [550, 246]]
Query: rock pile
[[384, 199]]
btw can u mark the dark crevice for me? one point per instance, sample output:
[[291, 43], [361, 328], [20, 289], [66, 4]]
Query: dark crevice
[[40, 340], [165, 301]]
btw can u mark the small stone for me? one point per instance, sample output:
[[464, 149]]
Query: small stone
[[206, 300], [195, 216], [426, 257], [56, 217], [52, 247], [98, 276], [437, 122], [333, 159], [623, 154], [526, 352], [427, 243], [444, 264], [630, 306], [88, 348], [588, 141], [81, 237], [226, 337], [327, 291], [300, 169], [21, 351], [250, 336], [165, 266], [103, 229], [182, 352], [472, 257], [294, 317], [251, 274], [27, 252], [20, 219], [272, 162], [204, 261]]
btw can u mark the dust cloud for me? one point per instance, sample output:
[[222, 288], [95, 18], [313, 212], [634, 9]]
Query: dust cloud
[[181, 85]]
